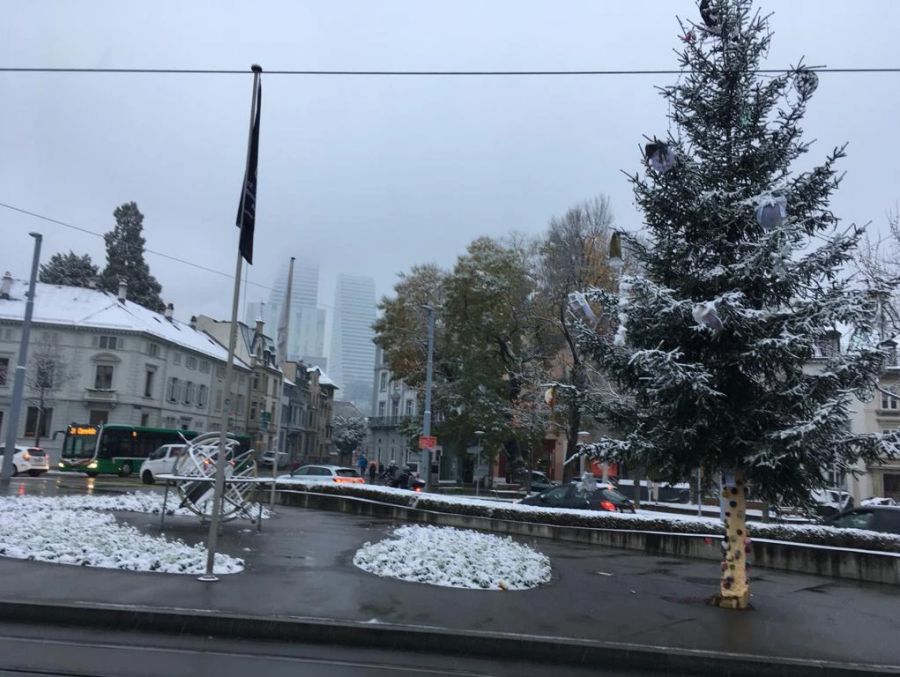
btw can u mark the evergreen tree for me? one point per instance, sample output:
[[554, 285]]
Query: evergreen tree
[[125, 259], [727, 349], [69, 269]]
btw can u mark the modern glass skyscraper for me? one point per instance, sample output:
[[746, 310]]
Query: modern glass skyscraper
[[352, 348], [306, 330]]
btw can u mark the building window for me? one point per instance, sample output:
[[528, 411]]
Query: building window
[[190, 362], [148, 382], [256, 381], [383, 384], [220, 372], [176, 358], [218, 400], [395, 409], [103, 378], [189, 393], [201, 396], [4, 370], [98, 417], [174, 389], [381, 408], [888, 401], [410, 407], [153, 349], [145, 419], [37, 422], [108, 342], [253, 411], [204, 367]]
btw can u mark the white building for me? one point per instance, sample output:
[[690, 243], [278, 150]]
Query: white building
[[394, 407], [116, 362], [352, 347]]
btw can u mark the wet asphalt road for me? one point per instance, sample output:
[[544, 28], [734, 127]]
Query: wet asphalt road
[[301, 565]]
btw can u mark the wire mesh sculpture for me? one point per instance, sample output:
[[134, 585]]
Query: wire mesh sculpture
[[196, 470]]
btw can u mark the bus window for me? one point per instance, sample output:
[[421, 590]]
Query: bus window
[[115, 443], [79, 445]]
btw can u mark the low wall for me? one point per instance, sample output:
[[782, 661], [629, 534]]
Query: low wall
[[857, 565]]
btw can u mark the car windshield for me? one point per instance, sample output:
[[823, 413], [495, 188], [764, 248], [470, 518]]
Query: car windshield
[[613, 495]]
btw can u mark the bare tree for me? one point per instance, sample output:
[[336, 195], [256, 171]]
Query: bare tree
[[47, 372]]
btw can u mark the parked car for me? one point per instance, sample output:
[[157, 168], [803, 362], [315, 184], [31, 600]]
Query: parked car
[[32, 460], [576, 495], [878, 500], [307, 474], [829, 502], [269, 457], [162, 461], [539, 481], [872, 518]]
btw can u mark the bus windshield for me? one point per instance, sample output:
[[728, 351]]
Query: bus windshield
[[80, 442]]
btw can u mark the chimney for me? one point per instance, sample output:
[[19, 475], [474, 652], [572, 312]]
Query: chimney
[[6, 286], [123, 291], [170, 309], [193, 322], [259, 334]]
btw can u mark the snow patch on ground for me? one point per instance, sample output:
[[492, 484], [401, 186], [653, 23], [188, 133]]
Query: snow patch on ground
[[73, 530], [455, 558]]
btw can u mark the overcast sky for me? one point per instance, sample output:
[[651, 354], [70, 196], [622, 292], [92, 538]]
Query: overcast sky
[[372, 175]]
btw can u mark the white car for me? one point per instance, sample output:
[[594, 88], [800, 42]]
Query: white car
[[878, 500], [32, 460], [309, 474], [269, 456], [162, 461]]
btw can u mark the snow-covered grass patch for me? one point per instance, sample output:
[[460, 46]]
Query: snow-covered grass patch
[[813, 534], [88, 538], [455, 558], [72, 530], [139, 501]]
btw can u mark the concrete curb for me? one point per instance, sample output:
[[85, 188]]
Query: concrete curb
[[554, 650], [857, 565]]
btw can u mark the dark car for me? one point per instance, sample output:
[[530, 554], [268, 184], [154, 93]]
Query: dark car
[[539, 481], [873, 518], [575, 495]]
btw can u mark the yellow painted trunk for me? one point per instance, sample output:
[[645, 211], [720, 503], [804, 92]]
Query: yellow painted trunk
[[734, 587]]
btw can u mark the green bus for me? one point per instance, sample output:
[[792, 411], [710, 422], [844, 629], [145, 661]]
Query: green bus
[[117, 449]]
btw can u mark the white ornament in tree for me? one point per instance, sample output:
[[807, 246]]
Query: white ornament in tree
[[659, 156], [771, 212], [578, 301], [706, 316]]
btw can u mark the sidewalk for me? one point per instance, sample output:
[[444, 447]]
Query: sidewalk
[[299, 567]]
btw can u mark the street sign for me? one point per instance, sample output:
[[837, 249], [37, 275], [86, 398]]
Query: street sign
[[427, 442]]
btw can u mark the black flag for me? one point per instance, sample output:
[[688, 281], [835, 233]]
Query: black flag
[[246, 216]]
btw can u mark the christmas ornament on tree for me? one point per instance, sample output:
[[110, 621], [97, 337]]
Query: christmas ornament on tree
[[711, 17], [659, 156], [706, 316], [578, 301], [771, 212], [806, 82]]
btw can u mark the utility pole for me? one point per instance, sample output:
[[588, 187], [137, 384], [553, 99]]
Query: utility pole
[[15, 405], [426, 417]]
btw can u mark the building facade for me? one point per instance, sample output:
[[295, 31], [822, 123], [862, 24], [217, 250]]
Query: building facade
[[395, 408], [111, 360], [352, 347]]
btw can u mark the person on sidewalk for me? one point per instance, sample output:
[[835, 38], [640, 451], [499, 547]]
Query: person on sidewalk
[[373, 472], [362, 464]]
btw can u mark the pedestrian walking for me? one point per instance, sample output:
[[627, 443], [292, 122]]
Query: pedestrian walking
[[373, 470], [362, 464]]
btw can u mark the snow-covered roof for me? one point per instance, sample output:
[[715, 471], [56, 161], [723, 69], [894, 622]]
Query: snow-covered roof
[[324, 379], [94, 309]]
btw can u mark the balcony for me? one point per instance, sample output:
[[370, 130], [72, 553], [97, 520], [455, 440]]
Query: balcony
[[387, 421], [101, 395]]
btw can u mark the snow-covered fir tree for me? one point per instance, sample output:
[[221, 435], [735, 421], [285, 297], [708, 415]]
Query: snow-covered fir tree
[[726, 354], [69, 269], [125, 259]]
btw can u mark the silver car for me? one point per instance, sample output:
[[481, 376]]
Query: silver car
[[309, 474]]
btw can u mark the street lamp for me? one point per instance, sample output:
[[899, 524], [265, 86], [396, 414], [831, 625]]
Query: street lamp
[[478, 435]]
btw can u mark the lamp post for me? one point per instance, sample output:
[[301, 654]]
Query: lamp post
[[582, 436], [426, 415], [15, 404], [478, 436]]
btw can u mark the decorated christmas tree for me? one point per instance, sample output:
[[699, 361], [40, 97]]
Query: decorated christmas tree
[[743, 344]]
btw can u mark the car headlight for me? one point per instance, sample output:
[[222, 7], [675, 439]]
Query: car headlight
[[92, 464], [61, 465]]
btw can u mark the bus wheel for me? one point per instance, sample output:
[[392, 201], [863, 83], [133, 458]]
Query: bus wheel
[[126, 470], [147, 477]]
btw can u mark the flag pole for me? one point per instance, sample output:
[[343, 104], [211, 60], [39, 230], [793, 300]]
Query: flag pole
[[216, 517]]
